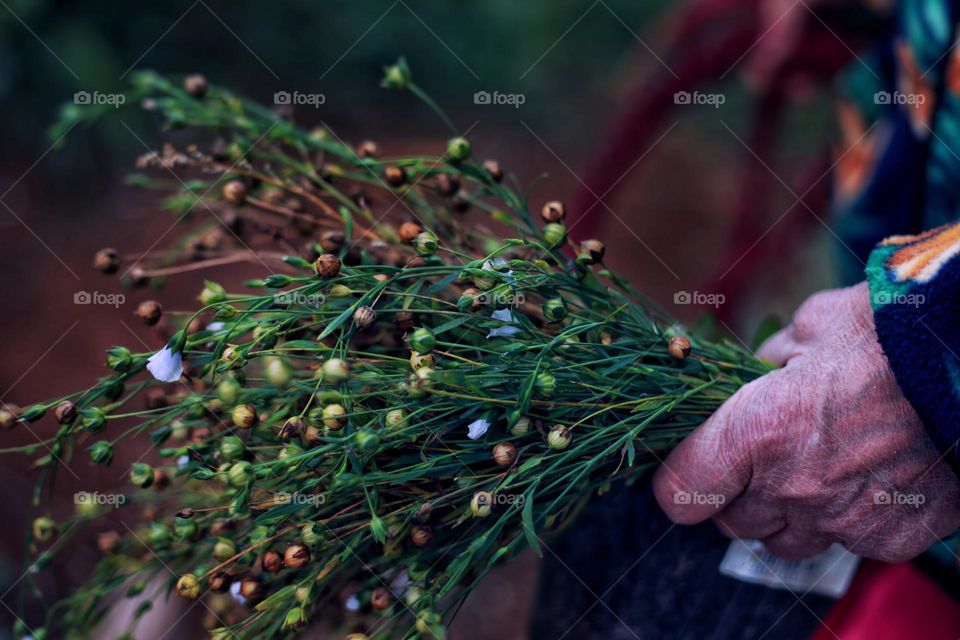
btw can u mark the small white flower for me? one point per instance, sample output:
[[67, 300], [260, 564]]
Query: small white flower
[[215, 326], [166, 365], [352, 603], [504, 315], [183, 461], [235, 592], [477, 428]]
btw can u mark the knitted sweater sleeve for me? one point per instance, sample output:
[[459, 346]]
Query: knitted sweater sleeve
[[915, 293]]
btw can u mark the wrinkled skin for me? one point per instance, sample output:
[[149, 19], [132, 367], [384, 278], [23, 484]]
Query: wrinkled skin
[[824, 450]]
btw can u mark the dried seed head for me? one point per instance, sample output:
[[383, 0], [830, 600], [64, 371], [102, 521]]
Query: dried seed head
[[559, 437], [138, 277], [150, 312], [504, 454], [244, 416], [420, 360], [196, 85], [448, 184], [332, 241], [185, 513], [106, 260], [188, 587], [363, 317], [404, 320], [296, 556], [380, 598], [420, 535], [493, 168], [368, 149], [481, 505], [327, 266], [679, 347], [395, 176], [291, 429], [251, 588], [220, 582], [409, 231], [553, 211], [235, 192], [333, 416], [592, 251], [66, 412], [9, 413], [272, 561]]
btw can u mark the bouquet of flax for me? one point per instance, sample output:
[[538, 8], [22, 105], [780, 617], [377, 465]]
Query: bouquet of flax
[[406, 399]]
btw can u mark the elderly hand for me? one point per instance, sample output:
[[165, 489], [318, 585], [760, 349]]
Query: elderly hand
[[824, 450]]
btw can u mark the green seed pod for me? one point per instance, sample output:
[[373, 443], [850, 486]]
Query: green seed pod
[[339, 291], [119, 358], [397, 75], [244, 416], [188, 587], [94, 419], [44, 529], [422, 341], [224, 549], [185, 529], [425, 243], [481, 505], [229, 390], [396, 419], [311, 534], [366, 440], [159, 534], [335, 370], [554, 309], [545, 384], [265, 336], [554, 233], [232, 448], [295, 619], [232, 356], [559, 437], [458, 149], [333, 416], [141, 475], [101, 452], [522, 427], [239, 473], [212, 293], [277, 372]]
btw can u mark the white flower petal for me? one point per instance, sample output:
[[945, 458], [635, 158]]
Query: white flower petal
[[502, 332], [216, 326], [166, 365], [477, 428], [503, 315]]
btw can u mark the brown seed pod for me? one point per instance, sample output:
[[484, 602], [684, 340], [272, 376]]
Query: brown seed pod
[[9, 414], [420, 535], [327, 266], [244, 416], [291, 429], [493, 168], [296, 556], [186, 513], [235, 192], [251, 588], [138, 277], [448, 184], [368, 149], [553, 211], [504, 454], [363, 317], [593, 251], [160, 480], [150, 312], [272, 561], [196, 85], [108, 541], [395, 176], [332, 241], [679, 347], [380, 598], [409, 231], [107, 260], [66, 412], [220, 582], [404, 320]]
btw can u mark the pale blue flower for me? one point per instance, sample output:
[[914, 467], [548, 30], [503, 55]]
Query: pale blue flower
[[477, 428], [166, 365]]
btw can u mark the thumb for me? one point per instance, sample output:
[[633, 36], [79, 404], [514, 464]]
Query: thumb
[[708, 469]]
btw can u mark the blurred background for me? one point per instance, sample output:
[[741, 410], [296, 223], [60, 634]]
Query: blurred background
[[695, 139]]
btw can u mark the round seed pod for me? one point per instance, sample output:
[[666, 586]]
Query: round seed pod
[[458, 149], [196, 85], [679, 347], [559, 437], [150, 312], [553, 211], [368, 149], [327, 266], [244, 416], [592, 251], [380, 598], [235, 192], [493, 168], [448, 184], [395, 176], [188, 587], [409, 231], [251, 588], [296, 556], [272, 561], [363, 317], [65, 412], [106, 260], [421, 535], [504, 454]]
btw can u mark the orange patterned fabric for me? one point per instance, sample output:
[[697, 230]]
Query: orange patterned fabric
[[922, 256]]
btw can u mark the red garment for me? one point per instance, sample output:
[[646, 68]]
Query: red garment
[[892, 602]]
